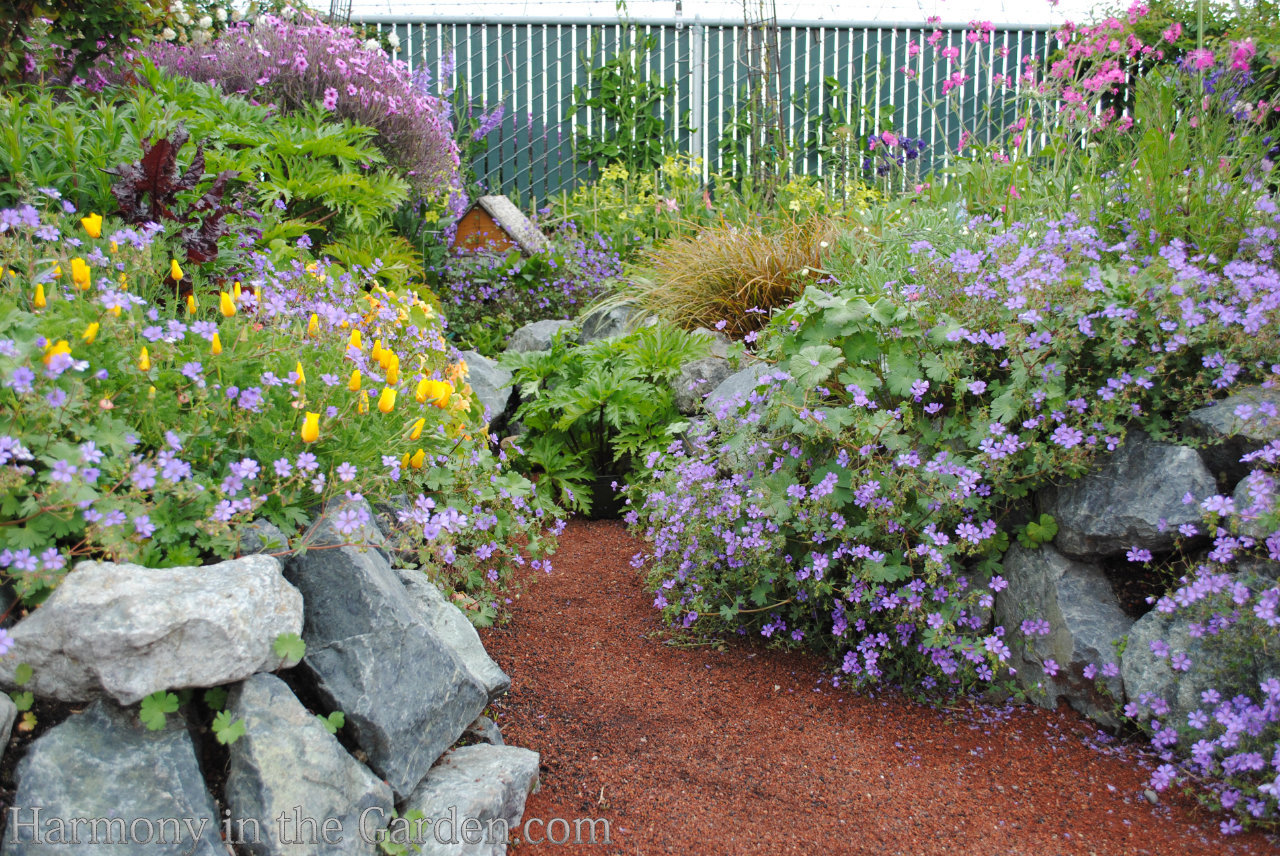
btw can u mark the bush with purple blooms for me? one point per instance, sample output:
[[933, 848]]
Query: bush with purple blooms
[[486, 291], [1226, 748], [298, 62], [903, 418], [139, 427]]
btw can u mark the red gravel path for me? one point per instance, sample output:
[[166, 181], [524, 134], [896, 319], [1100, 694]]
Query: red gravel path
[[735, 752]]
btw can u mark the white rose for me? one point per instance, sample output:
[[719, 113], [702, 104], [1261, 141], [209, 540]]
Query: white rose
[[205, 23], [184, 18], [371, 45], [394, 41], [220, 14], [168, 34]]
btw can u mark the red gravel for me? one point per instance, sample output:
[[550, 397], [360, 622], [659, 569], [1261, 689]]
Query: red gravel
[[741, 751]]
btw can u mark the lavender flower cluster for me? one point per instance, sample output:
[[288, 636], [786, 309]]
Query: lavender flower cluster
[[303, 61], [855, 502]]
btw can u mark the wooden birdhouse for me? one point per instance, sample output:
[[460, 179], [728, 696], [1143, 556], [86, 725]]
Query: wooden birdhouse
[[493, 223]]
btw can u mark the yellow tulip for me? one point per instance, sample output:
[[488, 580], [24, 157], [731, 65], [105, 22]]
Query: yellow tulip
[[311, 428], [61, 347], [216, 345], [363, 405], [376, 353], [416, 432], [115, 311], [144, 360], [93, 225], [80, 274], [393, 371], [435, 392], [235, 290], [40, 302], [387, 400], [404, 462], [115, 248], [354, 383], [175, 270], [191, 304], [151, 392], [313, 324], [57, 270], [302, 376], [90, 333], [226, 305], [354, 341], [417, 459]]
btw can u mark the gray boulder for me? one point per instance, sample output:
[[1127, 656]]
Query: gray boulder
[[406, 695], [1230, 435], [473, 797], [455, 631], [128, 631], [484, 730], [1148, 676], [696, 379], [286, 759], [1085, 621], [262, 536], [1133, 497], [490, 383], [719, 342], [736, 388], [103, 778], [1255, 498], [609, 323], [536, 336], [8, 715]]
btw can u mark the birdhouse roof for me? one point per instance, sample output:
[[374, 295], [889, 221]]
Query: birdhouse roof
[[512, 221]]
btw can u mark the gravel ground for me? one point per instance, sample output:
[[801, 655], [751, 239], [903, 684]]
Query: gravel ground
[[748, 751]]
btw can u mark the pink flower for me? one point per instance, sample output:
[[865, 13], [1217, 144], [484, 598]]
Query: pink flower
[[889, 139], [330, 98], [1172, 34], [1201, 59], [1241, 53]]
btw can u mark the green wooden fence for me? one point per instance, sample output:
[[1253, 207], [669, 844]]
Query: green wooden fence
[[865, 72]]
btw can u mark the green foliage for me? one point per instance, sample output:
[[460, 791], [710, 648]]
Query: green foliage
[[216, 698], [155, 707], [1038, 532], [333, 722], [304, 173], [595, 411], [226, 729], [56, 39], [621, 104], [94, 431], [290, 648]]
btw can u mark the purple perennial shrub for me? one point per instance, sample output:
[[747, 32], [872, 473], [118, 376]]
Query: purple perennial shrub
[[301, 62]]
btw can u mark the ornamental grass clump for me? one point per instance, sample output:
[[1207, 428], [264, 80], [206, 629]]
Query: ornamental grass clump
[[298, 62], [137, 427], [732, 277]]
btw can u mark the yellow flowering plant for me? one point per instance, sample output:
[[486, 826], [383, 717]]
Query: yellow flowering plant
[[133, 428]]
